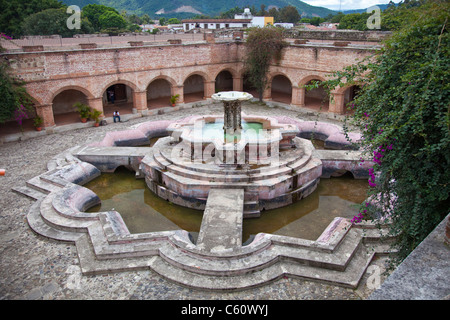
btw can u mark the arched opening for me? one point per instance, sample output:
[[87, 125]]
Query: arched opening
[[159, 92], [194, 88], [349, 95], [317, 98], [224, 81], [118, 97], [64, 111], [281, 89]]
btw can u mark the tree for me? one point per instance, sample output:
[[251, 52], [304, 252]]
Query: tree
[[403, 113], [173, 21], [273, 12], [315, 21], [289, 14], [354, 21], [93, 12], [13, 13], [263, 11], [263, 46], [14, 96], [111, 19], [53, 21]]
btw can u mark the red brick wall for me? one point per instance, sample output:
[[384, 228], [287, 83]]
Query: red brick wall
[[92, 71]]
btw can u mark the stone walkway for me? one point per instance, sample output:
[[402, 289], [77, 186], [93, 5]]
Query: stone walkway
[[32, 267]]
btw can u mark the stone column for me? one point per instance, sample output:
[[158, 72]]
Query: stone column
[[180, 91], [97, 104], [46, 113], [140, 101], [337, 103], [238, 84], [209, 89], [298, 96]]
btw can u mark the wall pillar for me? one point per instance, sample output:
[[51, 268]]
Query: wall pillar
[[238, 84], [46, 113], [140, 101], [180, 91], [209, 89], [298, 96], [337, 103], [97, 104]]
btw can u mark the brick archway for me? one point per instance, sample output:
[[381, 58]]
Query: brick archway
[[281, 88], [195, 87], [120, 95], [63, 104], [317, 98], [158, 92]]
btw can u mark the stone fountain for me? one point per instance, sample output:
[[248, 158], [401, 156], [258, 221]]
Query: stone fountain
[[265, 158]]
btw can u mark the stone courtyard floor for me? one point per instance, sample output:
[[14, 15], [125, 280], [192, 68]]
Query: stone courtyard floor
[[35, 268]]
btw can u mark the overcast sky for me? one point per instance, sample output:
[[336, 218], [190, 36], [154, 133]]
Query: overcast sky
[[347, 4]]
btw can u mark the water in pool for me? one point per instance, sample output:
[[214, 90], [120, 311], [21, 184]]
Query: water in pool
[[143, 211]]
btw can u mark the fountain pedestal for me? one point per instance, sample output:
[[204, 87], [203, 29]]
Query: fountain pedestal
[[232, 109], [232, 117]]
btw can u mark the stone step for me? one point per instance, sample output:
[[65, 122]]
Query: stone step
[[54, 219], [38, 184], [29, 192], [38, 225], [225, 175], [349, 278], [90, 265]]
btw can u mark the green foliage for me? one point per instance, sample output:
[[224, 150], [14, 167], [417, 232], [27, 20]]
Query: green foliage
[[354, 21], [111, 19], [52, 21], [13, 94], [14, 12], [95, 114], [83, 110], [264, 45], [289, 14], [403, 112], [93, 12]]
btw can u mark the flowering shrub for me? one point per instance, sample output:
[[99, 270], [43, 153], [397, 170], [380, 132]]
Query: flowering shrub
[[402, 112], [19, 114]]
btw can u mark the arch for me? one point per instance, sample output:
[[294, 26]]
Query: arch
[[309, 78], [232, 71], [159, 91], [119, 95], [194, 87], [85, 91], [172, 82], [281, 88], [317, 98], [224, 81], [202, 74], [64, 111], [130, 84]]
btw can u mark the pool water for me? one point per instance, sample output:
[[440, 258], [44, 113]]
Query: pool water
[[214, 130], [143, 211]]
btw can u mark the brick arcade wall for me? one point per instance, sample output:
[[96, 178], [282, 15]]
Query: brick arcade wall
[[92, 71]]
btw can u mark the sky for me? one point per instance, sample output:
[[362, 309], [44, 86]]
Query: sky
[[347, 4]]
